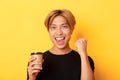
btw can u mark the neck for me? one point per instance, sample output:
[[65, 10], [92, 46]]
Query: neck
[[60, 51]]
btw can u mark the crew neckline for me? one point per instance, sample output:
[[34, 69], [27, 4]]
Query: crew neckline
[[60, 54]]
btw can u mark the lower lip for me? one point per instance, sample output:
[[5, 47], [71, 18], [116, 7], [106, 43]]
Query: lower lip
[[60, 42]]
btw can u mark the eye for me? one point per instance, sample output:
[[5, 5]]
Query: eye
[[65, 26], [52, 27]]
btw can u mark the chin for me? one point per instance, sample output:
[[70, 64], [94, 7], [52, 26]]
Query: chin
[[61, 46]]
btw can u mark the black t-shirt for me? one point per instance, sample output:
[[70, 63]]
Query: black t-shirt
[[62, 67]]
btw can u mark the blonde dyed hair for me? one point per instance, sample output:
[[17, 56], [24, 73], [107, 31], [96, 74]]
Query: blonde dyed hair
[[65, 13]]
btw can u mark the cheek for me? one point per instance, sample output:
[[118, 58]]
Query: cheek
[[68, 33]]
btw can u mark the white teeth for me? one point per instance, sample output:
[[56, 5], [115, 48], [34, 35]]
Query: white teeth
[[59, 38]]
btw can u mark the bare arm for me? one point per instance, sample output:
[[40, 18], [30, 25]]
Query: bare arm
[[86, 71]]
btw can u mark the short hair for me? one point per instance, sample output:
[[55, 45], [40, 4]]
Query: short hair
[[65, 13]]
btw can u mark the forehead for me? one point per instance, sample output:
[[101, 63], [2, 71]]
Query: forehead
[[59, 20]]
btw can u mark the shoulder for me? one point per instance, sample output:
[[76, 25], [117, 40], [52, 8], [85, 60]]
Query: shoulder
[[46, 53], [75, 52]]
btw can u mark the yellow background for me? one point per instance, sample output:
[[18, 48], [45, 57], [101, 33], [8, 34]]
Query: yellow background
[[22, 31]]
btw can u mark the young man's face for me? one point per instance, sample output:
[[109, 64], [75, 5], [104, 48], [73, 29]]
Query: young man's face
[[60, 32]]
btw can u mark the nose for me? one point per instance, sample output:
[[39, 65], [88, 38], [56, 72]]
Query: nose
[[59, 31]]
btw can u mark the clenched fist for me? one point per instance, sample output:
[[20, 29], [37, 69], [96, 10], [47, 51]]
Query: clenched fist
[[81, 45]]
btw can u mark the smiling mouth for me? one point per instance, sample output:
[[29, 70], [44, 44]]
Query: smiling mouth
[[60, 38]]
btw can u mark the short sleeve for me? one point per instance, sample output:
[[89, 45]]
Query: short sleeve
[[91, 63], [27, 72]]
